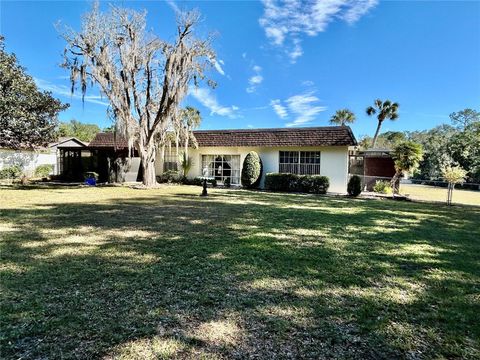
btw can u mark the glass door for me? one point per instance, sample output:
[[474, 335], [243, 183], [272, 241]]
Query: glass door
[[221, 167]]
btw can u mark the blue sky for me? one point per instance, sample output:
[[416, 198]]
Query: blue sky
[[290, 65]]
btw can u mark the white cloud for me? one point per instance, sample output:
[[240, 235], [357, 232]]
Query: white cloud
[[209, 100], [289, 19], [63, 90], [277, 35], [308, 83], [279, 108], [354, 13], [255, 80], [173, 5], [295, 52], [304, 107], [218, 67]]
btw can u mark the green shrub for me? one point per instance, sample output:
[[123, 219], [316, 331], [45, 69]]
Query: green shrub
[[43, 171], [354, 187], [198, 181], [315, 184], [382, 187], [195, 181], [227, 182], [90, 175], [11, 172], [170, 176], [251, 170], [279, 182], [320, 184]]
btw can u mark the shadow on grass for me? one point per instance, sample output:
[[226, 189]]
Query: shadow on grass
[[239, 274]]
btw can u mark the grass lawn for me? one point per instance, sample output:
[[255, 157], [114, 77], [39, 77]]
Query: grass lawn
[[430, 193], [139, 274]]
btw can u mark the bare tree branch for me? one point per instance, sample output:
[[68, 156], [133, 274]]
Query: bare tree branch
[[143, 77]]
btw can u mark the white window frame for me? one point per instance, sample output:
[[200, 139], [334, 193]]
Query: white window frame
[[299, 162], [170, 159], [210, 169]]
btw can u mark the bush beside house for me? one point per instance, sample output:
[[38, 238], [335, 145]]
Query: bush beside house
[[11, 172], [173, 177], [354, 187], [315, 184], [251, 170]]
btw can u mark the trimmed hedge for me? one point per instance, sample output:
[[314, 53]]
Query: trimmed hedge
[[170, 176], [354, 187], [195, 181], [251, 170], [314, 184], [173, 177]]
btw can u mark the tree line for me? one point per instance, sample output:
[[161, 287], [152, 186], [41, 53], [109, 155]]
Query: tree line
[[457, 143]]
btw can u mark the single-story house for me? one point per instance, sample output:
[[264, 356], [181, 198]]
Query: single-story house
[[220, 153]]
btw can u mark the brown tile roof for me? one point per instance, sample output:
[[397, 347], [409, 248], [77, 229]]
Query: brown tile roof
[[313, 136], [108, 140]]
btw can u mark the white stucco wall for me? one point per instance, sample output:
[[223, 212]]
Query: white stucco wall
[[28, 160], [333, 161]]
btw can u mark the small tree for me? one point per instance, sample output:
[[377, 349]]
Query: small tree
[[453, 175], [384, 110], [354, 187], [251, 170], [406, 156], [343, 117]]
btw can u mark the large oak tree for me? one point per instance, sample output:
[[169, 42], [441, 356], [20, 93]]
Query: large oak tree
[[143, 77]]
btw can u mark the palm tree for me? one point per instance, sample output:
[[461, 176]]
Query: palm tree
[[185, 163], [342, 117], [406, 156], [386, 110]]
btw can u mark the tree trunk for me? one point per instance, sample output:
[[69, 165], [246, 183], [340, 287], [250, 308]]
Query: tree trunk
[[450, 193], [147, 156], [393, 182], [149, 179], [374, 141]]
